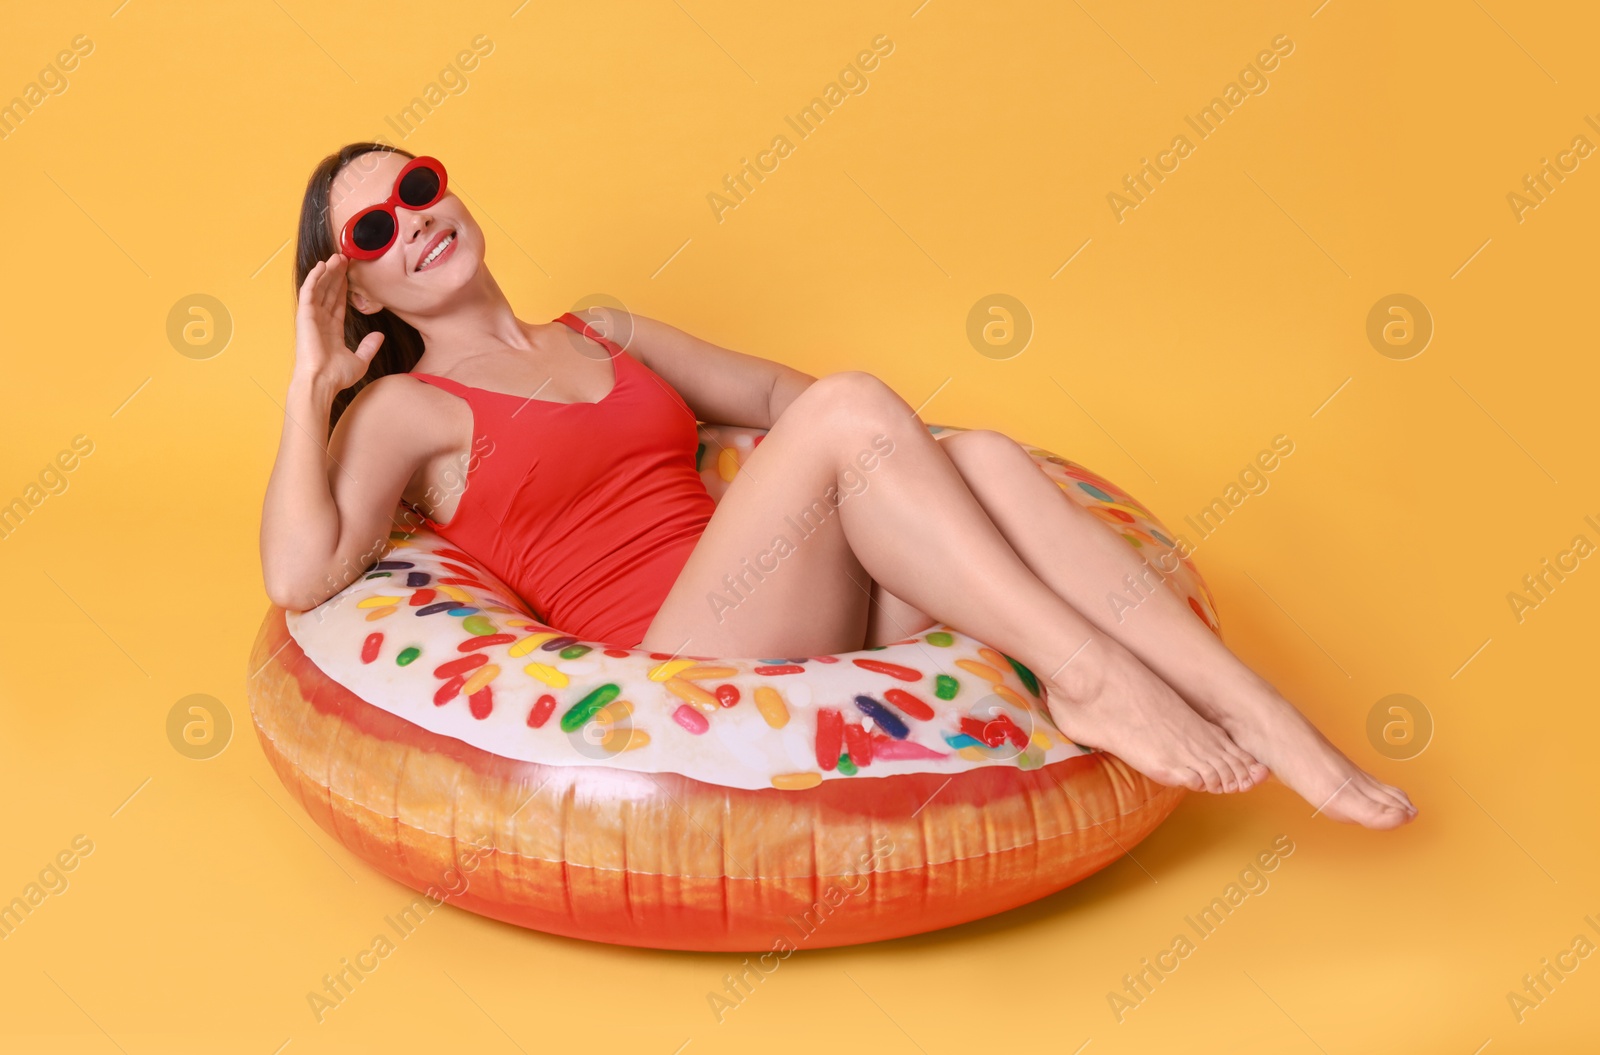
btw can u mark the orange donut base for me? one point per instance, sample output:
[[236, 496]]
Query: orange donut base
[[666, 861]]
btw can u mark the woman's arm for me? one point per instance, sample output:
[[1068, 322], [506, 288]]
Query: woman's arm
[[719, 384], [326, 514]]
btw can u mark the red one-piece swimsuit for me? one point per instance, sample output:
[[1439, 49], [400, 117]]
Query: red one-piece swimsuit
[[587, 510]]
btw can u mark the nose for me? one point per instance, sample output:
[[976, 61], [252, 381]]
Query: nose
[[413, 223]]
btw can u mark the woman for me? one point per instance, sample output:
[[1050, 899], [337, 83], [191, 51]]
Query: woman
[[849, 526]]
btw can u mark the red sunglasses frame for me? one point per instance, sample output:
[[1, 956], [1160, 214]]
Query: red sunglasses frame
[[347, 243]]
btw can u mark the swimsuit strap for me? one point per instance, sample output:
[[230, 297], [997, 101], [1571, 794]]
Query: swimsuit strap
[[445, 383], [590, 332]]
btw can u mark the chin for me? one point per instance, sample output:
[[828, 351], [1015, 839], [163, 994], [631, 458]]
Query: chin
[[458, 272]]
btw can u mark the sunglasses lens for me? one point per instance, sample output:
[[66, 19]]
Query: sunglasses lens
[[374, 230], [420, 187]]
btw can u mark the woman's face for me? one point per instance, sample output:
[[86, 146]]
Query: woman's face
[[397, 280]]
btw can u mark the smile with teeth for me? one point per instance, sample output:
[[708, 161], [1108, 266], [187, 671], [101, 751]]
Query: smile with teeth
[[444, 244]]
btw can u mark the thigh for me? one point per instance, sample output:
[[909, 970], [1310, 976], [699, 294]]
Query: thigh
[[773, 574], [891, 619]]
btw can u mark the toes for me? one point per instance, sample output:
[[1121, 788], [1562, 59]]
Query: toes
[[1231, 775], [1390, 817], [1227, 770], [1401, 803], [1227, 759], [1239, 762], [1243, 781], [1371, 810], [1388, 795], [1402, 798]]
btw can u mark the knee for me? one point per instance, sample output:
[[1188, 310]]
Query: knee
[[982, 447], [854, 397]]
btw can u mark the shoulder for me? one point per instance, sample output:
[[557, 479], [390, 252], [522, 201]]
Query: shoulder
[[393, 390], [399, 409], [384, 400], [619, 326]]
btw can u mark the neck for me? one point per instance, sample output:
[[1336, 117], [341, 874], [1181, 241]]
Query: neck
[[478, 320]]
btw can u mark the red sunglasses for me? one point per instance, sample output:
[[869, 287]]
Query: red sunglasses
[[369, 233]]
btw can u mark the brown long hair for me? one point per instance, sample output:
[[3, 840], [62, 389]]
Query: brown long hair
[[402, 344]]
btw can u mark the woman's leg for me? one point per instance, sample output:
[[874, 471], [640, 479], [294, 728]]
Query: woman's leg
[[1086, 564], [891, 619], [849, 484]]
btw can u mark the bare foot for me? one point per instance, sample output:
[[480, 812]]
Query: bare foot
[[1260, 720], [1105, 698]]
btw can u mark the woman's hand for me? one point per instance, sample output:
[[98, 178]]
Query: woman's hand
[[320, 356]]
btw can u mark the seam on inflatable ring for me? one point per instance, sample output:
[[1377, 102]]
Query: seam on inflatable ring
[[684, 875]]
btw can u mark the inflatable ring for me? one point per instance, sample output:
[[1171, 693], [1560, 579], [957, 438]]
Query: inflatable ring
[[433, 726]]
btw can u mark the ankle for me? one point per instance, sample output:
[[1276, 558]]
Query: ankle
[[1080, 674], [1243, 699]]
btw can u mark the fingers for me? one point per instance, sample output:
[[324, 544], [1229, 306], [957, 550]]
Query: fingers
[[318, 280], [369, 346], [327, 280], [308, 287]]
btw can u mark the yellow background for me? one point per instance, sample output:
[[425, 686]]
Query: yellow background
[[1223, 311]]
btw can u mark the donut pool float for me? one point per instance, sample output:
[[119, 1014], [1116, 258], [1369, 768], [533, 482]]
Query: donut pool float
[[429, 722]]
